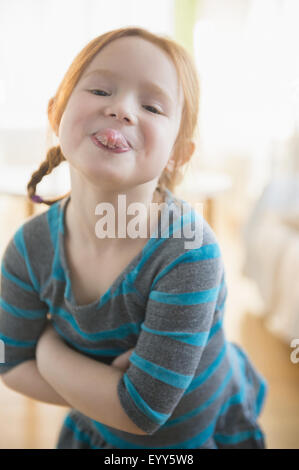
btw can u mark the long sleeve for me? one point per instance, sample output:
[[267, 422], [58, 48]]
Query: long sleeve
[[22, 314], [178, 319]]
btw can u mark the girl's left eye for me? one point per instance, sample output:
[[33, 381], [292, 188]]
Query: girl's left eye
[[152, 109], [97, 92]]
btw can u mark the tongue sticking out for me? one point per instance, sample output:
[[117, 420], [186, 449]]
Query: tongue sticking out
[[112, 138]]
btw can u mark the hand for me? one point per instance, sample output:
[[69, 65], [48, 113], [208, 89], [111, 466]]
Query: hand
[[122, 362]]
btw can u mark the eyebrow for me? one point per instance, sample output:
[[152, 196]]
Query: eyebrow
[[150, 85]]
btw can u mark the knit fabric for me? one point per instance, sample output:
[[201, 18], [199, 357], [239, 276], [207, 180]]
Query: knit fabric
[[187, 386]]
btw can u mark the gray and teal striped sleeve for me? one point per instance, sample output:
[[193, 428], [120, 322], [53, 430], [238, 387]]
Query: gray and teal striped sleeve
[[178, 319], [22, 314]]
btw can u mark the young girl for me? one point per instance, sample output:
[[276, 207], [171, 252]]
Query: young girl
[[127, 332]]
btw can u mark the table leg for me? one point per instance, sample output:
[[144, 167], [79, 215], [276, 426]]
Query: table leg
[[31, 422], [209, 211]]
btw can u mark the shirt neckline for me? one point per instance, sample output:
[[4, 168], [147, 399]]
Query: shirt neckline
[[98, 303]]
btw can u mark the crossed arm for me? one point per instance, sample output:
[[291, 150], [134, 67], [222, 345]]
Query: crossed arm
[[80, 382]]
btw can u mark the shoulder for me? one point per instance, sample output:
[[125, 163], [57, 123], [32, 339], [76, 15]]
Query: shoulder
[[34, 235], [186, 250], [185, 228]]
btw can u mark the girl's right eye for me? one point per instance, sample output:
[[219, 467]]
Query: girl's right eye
[[97, 92]]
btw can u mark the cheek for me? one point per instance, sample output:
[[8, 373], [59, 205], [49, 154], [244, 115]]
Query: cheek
[[159, 146], [64, 135], [159, 137], [70, 130]]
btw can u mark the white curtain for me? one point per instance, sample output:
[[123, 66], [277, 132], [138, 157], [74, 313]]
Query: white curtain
[[247, 56]]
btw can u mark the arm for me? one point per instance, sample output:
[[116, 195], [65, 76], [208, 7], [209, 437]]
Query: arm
[[88, 385], [179, 316], [176, 328], [23, 317], [26, 379]]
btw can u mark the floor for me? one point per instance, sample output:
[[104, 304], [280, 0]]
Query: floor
[[29, 424]]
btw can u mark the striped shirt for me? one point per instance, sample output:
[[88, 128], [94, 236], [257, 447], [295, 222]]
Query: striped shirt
[[187, 386]]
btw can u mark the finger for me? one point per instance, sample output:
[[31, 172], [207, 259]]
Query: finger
[[123, 359]]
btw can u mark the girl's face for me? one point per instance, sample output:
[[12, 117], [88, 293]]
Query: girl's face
[[131, 86]]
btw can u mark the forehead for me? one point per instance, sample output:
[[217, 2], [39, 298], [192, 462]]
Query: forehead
[[138, 60]]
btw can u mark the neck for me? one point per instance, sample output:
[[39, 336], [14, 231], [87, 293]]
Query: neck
[[90, 211]]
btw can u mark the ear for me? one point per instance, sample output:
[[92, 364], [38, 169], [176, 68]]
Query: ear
[[190, 147], [51, 104]]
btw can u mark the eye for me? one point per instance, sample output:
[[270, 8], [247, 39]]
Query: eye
[[99, 92], [153, 110]]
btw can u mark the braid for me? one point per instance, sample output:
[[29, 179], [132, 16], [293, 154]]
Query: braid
[[53, 159]]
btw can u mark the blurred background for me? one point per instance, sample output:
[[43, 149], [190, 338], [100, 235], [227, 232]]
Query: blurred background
[[245, 170]]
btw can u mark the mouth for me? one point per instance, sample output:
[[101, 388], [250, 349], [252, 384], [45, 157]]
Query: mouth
[[111, 140], [108, 147]]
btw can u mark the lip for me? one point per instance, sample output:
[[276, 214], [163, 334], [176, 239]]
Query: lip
[[107, 149]]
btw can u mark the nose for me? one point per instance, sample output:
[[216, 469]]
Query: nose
[[121, 110]]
